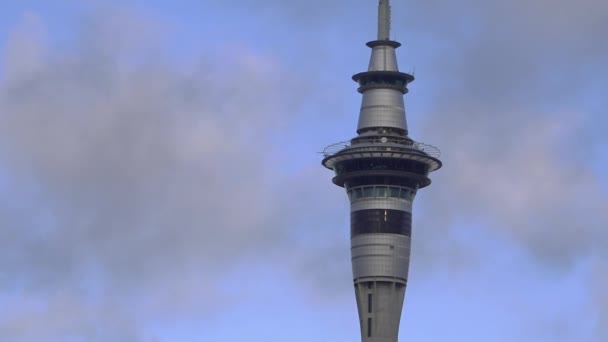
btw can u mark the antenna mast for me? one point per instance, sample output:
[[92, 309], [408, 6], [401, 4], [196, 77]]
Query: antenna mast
[[384, 20]]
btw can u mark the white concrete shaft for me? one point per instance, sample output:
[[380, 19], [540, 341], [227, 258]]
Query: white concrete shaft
[[380, 255], [390, 203], [379, 304]]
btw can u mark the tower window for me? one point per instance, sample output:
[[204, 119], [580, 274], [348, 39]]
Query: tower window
[[381, 192], [358, 193], [394, 192], [380, 221], [369, 303], [369, 327]]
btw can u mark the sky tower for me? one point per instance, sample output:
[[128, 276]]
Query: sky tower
[[381, 169]]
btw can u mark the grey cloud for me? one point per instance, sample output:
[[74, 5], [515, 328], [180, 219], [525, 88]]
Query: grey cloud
[[524, 186], [519, 53], [513, 124], [512, 116], [318, 251], [125, 170]]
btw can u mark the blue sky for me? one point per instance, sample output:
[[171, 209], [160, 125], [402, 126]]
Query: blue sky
[[160, 177]]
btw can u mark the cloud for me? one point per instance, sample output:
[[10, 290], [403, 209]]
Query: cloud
[[127, 178], [513, 123], [515, 114], [524, 186]]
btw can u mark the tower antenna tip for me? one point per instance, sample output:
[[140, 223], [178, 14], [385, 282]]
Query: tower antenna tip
[[384, 20]]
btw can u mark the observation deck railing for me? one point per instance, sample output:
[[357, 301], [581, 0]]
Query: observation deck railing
[[381, 143]]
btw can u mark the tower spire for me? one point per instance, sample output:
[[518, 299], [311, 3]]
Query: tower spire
[[384, 20]]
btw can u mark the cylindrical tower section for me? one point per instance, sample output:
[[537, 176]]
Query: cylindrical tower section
[[379, 304], [381, 227], [380, 243], [383, 87], [384, 58], [381, 177], [382, 107]]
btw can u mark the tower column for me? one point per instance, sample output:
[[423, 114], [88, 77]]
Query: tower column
[[379, 303], [382, 169]]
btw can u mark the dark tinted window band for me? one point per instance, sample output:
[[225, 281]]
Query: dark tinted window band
[[380, 221], [371, 164]]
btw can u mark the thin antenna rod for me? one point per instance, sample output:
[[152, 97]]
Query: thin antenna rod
[[384, 20]]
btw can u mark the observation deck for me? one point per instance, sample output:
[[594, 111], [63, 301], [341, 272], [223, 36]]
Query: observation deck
[[381, 147]]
